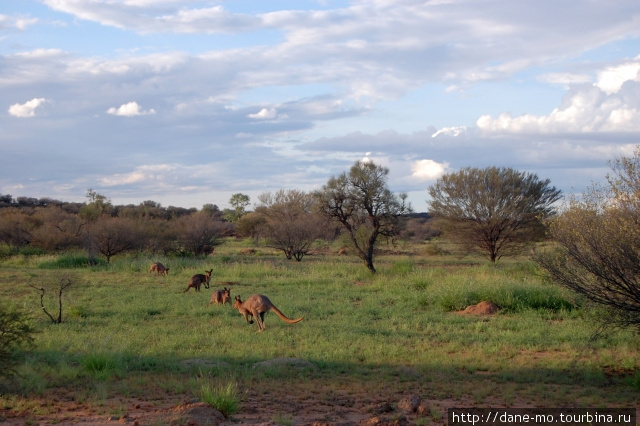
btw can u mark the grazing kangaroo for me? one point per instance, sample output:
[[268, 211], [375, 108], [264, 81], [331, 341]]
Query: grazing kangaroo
[[220, 296], [258, 305], [159, 269], [198, 279]]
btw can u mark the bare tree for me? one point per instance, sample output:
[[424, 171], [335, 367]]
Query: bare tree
[[16, 227], [115, 235], [60, 230], [64, 284], [497, 211], [363, 204], [290, 224], [198, 234], [597, 252]]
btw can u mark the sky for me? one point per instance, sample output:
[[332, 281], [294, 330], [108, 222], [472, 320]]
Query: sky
[[187, 102]]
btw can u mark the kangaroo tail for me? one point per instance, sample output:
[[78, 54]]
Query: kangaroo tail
[[284, 318]]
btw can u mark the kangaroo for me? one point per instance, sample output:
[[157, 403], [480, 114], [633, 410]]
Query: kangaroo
[[198, 279], [159, 269], [220, 296], [258, 305]]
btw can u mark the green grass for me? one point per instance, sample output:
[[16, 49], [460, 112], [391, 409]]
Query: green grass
[[127, 331], [223, 397]]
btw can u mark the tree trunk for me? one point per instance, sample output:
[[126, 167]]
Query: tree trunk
[[368, 261]]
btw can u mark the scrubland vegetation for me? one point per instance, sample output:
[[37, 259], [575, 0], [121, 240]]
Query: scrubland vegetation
[[127, 334], [85, 321]]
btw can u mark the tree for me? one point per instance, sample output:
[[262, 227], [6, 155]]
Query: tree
[[65, 283], [498, 211], [59, 231], [16, 227], [249, 225], [361, 202], [238, 202], [114, 235], [98, 205], [597, 244], [290, 223], [198, 234]]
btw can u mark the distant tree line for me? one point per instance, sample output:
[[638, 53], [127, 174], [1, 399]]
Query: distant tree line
[[290, 221], [494, 211]]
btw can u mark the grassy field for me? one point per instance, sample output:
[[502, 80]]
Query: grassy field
[[128, 335]]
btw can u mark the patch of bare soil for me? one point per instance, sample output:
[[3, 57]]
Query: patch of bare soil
[[312, 402], [482, 308], [255, 409]]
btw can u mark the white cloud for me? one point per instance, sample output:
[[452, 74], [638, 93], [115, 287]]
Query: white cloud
[[611, 79], [564, 78], [145, 173], [20, 22], [450, 131], [607, 106], [27, 109], [427, 169], [130, 109], [264, 114]]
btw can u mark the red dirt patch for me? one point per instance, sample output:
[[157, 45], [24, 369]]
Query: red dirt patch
[[482, 308]]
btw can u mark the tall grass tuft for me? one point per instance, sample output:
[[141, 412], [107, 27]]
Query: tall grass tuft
[[101, 366], [224, 398]]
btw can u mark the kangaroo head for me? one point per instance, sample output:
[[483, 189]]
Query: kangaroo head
[[238, 302]]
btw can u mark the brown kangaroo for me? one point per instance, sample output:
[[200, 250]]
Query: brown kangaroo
[[159, 269], [198, 279], [220, 296], [258, 305]]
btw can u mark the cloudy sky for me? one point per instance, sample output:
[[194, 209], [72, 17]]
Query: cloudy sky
[[186, 102]]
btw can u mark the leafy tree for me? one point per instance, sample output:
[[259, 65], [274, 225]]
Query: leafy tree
[[597, 244], [6, 200], [290, 222], [211, 209], [238, 202], [15, 332], [249, 225], [97, 206], [363, 204], [497, 211]]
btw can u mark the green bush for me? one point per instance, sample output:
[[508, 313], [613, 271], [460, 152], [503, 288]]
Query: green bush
[[71, 261], [15, 332]]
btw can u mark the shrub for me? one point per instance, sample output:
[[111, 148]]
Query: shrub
[[597, 252], [15, 332]]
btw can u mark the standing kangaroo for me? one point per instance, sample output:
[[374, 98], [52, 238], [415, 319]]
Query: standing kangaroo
[[198, 279], [220, 296], [159, 269], [258, 305]]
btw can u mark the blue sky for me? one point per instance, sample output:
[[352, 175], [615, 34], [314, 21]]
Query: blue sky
[[188, 102]]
